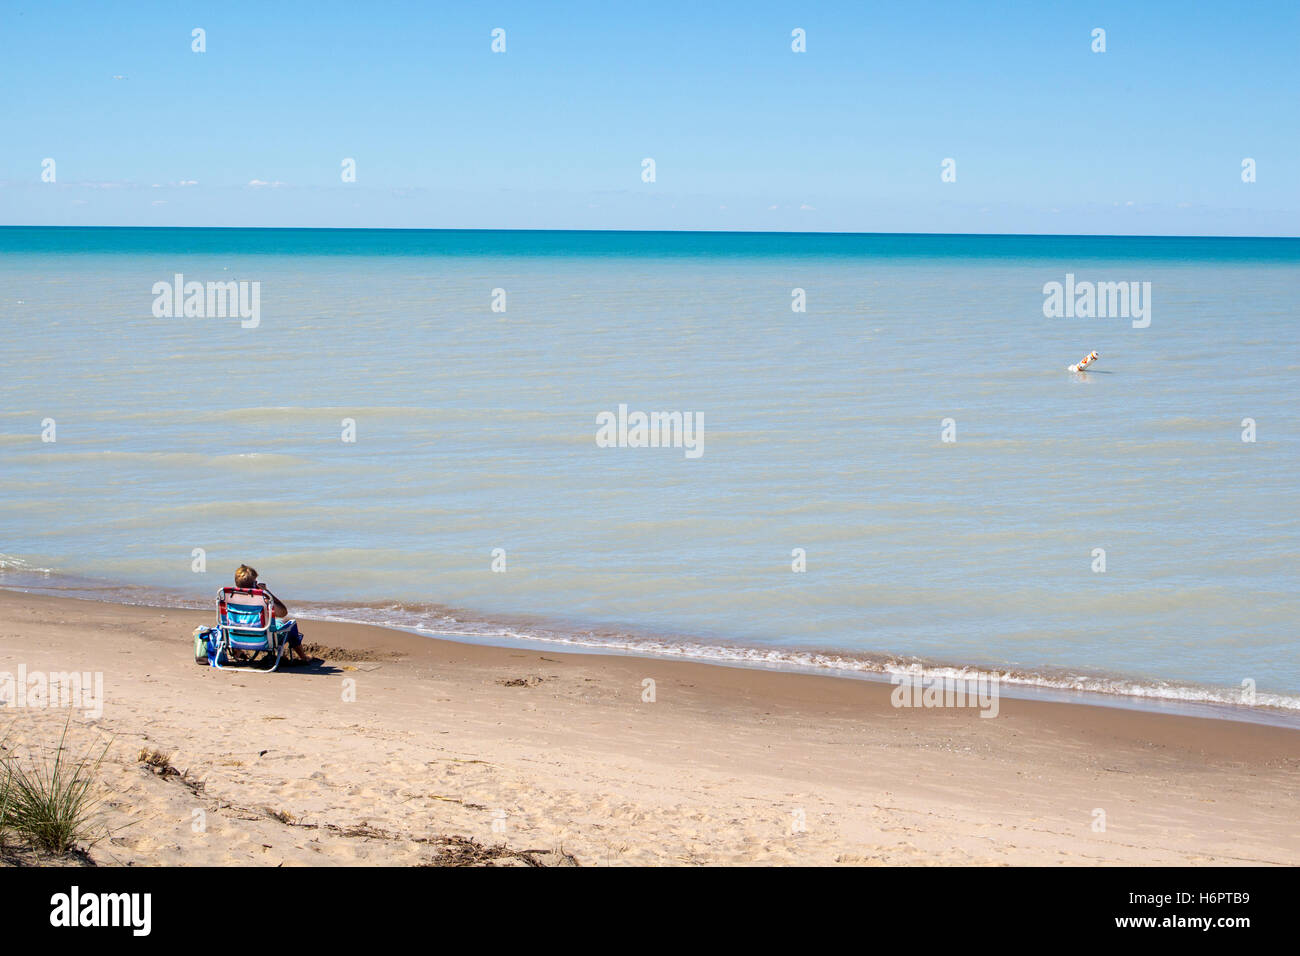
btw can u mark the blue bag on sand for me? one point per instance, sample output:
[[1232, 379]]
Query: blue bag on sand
[[205, 646]]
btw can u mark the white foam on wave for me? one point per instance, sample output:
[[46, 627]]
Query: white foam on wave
[[9, 562], [446, 625]]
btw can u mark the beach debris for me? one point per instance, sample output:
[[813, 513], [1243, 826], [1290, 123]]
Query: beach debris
[[1083, 364], [457, 800], [157, 761], [520, 682], [463, 851]]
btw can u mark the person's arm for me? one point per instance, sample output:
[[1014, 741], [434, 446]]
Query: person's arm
[[277, 606]]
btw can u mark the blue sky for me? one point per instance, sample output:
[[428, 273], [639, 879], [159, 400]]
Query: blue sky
[[1048, 136]]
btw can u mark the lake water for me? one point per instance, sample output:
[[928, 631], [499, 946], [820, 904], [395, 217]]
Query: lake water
[[823, 430]]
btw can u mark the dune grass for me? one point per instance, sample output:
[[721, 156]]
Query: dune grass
[[49, 804], [6, 784]]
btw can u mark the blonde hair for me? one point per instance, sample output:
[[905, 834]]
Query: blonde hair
[[245, 577]]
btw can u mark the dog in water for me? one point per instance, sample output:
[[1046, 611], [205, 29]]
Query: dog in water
[[1085, 362]]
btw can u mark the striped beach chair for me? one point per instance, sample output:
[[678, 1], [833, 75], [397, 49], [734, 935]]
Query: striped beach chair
[[246, 621]]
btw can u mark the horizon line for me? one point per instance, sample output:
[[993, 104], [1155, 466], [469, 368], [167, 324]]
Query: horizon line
[[719, 232]]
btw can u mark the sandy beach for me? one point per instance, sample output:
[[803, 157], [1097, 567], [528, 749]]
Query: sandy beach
[[560, 755]]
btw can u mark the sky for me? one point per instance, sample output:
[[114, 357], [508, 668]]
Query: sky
[[1047, 136]]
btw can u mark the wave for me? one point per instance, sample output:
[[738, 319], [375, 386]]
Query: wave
[[9, 562], [179, 459], [446, 623]]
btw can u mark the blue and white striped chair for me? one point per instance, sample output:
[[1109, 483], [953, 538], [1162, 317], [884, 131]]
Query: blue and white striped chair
[[246, 620]]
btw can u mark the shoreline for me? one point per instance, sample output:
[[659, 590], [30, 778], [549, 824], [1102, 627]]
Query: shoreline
[[1125, 692], [443, 737], [721, 232], [769, 660]]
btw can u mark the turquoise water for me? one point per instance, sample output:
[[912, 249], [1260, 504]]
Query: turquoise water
[[475, 430]]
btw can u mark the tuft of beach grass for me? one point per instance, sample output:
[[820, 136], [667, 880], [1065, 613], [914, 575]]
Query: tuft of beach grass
[[6, 785], [50, 805]]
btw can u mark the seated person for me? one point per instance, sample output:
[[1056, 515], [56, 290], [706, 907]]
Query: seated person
[[246, 577]]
